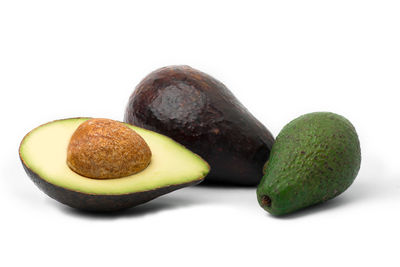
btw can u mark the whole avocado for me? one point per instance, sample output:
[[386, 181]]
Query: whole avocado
[[315, 158], [199, 112]]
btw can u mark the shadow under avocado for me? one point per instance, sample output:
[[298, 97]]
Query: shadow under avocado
[[365, 188], [372, 184], [213, 184], [315, 209], [158, 205], [360, 191], [191, 196]]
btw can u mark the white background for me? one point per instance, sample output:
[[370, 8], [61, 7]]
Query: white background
[[61, 59]]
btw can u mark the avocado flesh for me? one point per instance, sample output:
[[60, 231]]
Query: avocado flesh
[[201, 113], [315, 158], [43, 153]]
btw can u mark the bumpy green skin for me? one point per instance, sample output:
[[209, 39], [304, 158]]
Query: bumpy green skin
[[315, 158]]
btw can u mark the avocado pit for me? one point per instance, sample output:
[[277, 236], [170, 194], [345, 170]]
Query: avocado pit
[[104, 149]]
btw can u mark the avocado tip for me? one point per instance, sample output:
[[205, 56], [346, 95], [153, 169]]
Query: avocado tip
[[266, 201]]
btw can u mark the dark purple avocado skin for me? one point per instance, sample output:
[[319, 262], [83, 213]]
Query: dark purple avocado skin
[[99, 203], [199, 112]]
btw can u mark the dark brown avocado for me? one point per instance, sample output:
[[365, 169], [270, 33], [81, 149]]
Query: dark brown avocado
[[199, 112]]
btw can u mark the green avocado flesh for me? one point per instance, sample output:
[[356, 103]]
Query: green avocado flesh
[[44, 152], [315, 158]]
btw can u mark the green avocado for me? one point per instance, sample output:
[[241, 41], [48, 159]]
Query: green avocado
[[43, 153], [315, 158]]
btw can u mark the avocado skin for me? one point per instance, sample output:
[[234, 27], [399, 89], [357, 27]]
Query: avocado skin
[[315, 158], [99, 203], [199, 112]]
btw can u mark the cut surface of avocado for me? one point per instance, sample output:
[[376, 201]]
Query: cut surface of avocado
[[44, 152]]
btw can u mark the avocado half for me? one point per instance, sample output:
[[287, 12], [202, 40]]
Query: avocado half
[[43, 153]]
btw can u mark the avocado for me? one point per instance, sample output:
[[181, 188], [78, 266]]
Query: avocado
[[43, 153], [315, 158], [201, 113]]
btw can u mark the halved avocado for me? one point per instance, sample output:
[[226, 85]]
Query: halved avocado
[[43, 153]]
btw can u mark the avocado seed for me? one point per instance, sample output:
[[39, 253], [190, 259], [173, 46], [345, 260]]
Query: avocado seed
[[103, 148]]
